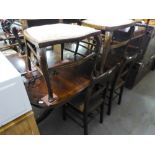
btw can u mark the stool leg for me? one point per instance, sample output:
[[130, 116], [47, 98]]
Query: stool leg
[[120, 95], [62, 49], [44, 68], [76, 50]]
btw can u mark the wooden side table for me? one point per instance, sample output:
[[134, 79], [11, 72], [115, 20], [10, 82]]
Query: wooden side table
[[23, 125]]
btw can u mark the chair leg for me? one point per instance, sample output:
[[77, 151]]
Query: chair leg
[[85, 124], [44, 115], [62, 49], [101, 112], [64, 112], [110, 103], [120, 95], [44, 69], [91, 47], [76, 50]]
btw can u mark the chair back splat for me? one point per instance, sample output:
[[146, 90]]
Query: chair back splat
[[124, 68]]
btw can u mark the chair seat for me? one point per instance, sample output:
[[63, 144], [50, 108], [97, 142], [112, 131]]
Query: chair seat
[[107, 24], [120, 83], [57, 32], [78, 103]]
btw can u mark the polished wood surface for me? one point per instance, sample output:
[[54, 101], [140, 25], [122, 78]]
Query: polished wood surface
[[18, 62], [24, 125], [66, 84]]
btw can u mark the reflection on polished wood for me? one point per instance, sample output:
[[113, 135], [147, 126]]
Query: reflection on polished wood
[[18, 62], [65, 84]]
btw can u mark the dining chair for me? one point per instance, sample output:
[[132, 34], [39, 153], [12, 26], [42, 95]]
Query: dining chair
[[117, 82], [89, 102]]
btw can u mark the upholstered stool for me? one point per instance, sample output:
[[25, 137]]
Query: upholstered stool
[[109, 28], [39, 37]]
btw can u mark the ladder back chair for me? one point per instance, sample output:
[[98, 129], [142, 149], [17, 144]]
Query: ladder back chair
[[118, 80], [82, 107]]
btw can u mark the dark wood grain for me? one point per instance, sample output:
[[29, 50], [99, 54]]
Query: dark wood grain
[[66, 84]]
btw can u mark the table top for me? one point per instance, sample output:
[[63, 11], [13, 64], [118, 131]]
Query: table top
[[46, 35], [66, 85], [108, 25]]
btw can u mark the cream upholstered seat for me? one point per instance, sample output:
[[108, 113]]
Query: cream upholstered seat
[[56, 32], [107, 24]]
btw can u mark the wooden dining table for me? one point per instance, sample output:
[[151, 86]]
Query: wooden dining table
[[108, 27]]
